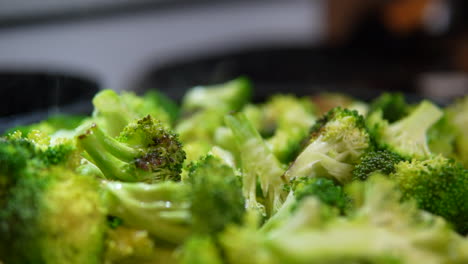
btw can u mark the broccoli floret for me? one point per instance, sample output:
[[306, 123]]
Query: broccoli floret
[[380, 230], [156, 99], [200, 250], [51, 216], [230, 96], [457, 115], [112, 112], [336, 143], [42, 152], [163, 209], [438, 185], [382, 161], [127, 246], [441, 137], [392, 105], [292, 118], [51, 125], [407, 136], [144, 151], [204, 109], [327, 191], [200, 126], [217, 193], [258, 162]]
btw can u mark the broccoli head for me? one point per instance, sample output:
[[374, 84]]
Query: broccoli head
[[41, 151], [441, 137], [408, 136], [126, 245], [112, 112], [229, 96], [144, 151], [204, 109], [382, 161], [292, 118], [200, 250], [217, 193], [51, 125], [336, 143], [392, 105], [327, 191], [438, 185], [380, 229], [457, 115], [52, 216]]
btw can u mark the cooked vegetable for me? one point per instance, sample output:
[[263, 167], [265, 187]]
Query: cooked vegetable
[[144, 151], [219, 179]]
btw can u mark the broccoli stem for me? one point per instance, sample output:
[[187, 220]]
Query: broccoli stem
[[312, 162], [257, 160], [410, 133], [162, 209], [97, 146]]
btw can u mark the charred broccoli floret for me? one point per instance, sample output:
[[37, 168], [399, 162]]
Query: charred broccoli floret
[[336, 143], [144, 151]]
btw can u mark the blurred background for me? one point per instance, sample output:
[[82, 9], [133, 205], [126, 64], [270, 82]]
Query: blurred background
[[55, 54]]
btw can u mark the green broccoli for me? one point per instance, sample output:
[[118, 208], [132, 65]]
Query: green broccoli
[[204, 109], [392, 105], [112, 112], [198, 132], [144, 151], [163, 209], [51, 125], [327, 191], [336, 143], [128, 245], [216, 192], [258, 162], [441, 137], [49, 214], [292, 118], [438, 185], [172, 211], [63, 152], [230, 96], [200, 250], [382, 161], [408, 136], [457, 115], [380, 229], [155, 99]]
